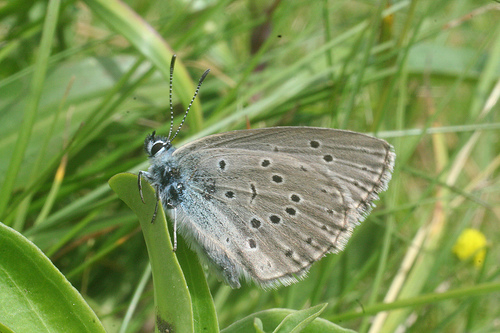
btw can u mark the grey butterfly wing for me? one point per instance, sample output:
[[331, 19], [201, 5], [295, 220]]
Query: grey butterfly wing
[[276, 200]]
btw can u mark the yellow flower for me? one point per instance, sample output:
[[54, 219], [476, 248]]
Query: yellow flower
[[471, 243]]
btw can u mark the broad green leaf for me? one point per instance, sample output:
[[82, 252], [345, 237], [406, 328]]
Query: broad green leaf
[[35, 296]]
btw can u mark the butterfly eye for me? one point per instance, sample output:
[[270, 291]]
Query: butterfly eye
[[157, 147]]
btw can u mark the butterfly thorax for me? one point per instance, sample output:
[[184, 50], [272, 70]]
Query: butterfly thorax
[[165, 178], [164, 172]]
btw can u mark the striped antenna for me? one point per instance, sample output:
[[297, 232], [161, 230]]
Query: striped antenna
[[191, 103], [172, 64]]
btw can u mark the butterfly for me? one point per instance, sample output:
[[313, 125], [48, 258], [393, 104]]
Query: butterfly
[[265, 204]]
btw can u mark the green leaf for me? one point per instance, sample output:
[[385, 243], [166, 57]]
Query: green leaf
[[35, 296], [178, 307], [298, 320], [205, 317], [257, 324], [286, 320], [172, 299]]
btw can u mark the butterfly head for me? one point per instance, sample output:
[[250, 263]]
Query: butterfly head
[[156, 146]]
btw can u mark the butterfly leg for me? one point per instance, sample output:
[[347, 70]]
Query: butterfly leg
[[175, 230], [157, 189], [139, 185]]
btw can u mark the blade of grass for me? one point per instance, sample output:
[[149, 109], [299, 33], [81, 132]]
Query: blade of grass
[[147, 41], [23, 138], [421, 300]]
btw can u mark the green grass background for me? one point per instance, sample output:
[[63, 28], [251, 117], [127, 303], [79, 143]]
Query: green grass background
[[77, 102]]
